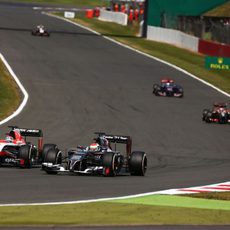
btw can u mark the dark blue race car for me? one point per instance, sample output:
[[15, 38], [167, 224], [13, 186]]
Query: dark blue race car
[[168, 88]]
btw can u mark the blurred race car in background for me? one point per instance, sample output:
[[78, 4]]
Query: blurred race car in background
[[168, 88], [16, 150], [40, 31], [99, 158], [218, 114]]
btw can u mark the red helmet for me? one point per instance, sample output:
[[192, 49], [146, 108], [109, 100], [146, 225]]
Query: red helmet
[[94, 147]]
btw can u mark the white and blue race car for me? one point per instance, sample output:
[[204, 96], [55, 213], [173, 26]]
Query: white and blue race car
[[99, 158]]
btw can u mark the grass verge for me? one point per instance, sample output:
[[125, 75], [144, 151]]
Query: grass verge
[[178, 201], [107, 213], [67, 2], [10, 96]]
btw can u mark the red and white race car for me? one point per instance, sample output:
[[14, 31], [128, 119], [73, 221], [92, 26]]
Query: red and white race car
[[16, 150]]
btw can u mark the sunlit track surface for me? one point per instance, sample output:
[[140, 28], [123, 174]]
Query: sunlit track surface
[[79, 83]]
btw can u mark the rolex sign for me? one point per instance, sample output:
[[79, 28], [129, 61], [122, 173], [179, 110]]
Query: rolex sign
[[217, 63]]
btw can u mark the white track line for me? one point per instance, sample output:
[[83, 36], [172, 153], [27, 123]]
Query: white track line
[[163, 192], [26, 96]]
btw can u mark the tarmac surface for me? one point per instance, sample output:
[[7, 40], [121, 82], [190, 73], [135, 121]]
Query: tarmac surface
[[79, 83]]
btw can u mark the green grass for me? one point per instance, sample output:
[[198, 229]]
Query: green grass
[[9, 94], [178, 201], [106, 213]]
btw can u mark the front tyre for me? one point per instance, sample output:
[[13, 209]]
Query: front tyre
[[138, 163], [46, 148], [156, 89], [111, 164], [208, 117], [53, 156], [204, 115]]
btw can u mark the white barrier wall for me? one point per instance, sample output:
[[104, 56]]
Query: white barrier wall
[[116, 17], [173, 37]]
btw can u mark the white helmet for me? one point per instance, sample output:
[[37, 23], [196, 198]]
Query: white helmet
[[9, 138]]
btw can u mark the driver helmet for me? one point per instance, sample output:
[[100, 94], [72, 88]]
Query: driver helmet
[[94, 147], [168, 84], [9, 138]]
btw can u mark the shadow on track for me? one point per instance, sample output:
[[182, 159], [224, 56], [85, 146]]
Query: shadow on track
[[69, 33]]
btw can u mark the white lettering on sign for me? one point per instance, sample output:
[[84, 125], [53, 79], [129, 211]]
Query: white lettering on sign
[[68, 14]]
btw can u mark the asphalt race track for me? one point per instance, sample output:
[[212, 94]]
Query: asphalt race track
[[79, 83]]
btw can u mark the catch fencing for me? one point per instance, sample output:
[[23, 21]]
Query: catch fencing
[[208, 28]]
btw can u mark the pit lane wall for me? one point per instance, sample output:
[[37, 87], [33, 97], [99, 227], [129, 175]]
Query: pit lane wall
[[111, 16], [214, 49], [178, 38]]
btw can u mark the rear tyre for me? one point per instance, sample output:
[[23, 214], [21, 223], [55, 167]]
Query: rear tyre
[[25, 154], [47, 34], [138, 164], [223, 119], [182, 93]]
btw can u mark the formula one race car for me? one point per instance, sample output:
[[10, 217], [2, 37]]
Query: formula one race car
[[218, 114], [99, 158], [40, 31], [16, 150], [168, 88]]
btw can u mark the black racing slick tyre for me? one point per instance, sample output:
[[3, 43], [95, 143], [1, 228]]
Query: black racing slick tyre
[[46, 34], [46, 148], [208, 117], [110, 164], [138, 163], [25, 154], [182, 93], [205, 112], [53, 156], [156, 89]]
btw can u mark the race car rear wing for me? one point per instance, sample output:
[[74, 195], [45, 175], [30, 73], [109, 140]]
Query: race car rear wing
[[121, 139], [26, 132]]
